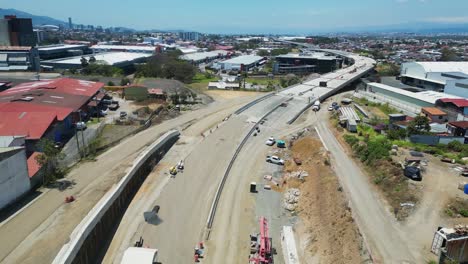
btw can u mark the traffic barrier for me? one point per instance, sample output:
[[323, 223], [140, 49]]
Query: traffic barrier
[[87, 240]]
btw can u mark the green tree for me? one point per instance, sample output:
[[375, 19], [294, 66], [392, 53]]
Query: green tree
[[84, 62], [419, 125], [449, 55], [396, 134], [263, 53], [124, 81], [92, 59], [110, 83], [49, 159]]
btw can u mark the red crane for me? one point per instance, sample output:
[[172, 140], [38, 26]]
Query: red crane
[[264, 254]]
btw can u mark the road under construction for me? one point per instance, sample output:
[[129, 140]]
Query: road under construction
[[205, 202]]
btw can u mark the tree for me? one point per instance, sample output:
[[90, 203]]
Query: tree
[[124, 81], [84, 62], [92, 59], [449, 55], [419, 125], [396, 134], [49, 159], [263, 53], [110, 83]]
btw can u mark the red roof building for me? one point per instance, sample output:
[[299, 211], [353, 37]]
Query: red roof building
[[62, 85], [33, 165], [456, 102], [32, 125], [60, 112]]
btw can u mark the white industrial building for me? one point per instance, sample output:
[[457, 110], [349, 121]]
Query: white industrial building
[[408, 100], [457, 87], [116, 59], [123, 48], [433, 75], [14, 177], [245, 63], [201, 57]]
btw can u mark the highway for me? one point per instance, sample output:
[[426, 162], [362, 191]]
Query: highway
[[186, 199], [207, 145]]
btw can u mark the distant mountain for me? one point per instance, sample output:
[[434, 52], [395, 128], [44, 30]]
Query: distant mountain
[[36, 20]]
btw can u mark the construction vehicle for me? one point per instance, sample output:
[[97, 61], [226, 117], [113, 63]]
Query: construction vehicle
[[261, 250]]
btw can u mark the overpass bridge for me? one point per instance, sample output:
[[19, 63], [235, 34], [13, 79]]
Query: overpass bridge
[[311, 90]]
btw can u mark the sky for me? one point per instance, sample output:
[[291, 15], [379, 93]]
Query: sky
[[247, 16]]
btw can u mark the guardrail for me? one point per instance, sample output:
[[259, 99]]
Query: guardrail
[[87, 239], [214, 205], [258, 100]]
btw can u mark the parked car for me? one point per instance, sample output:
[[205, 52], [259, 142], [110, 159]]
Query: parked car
[[334, 104], [123, 114], [330, 108], [284, 104], [413, 173], [275, 160], [80, 125], [280, 144], [270, 142]]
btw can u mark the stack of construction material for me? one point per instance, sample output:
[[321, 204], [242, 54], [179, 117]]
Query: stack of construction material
[[461, 229], [291, 198]]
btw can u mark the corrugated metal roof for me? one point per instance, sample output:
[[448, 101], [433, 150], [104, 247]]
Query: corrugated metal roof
[[433, 111], [458, 102], [60, 112], [444, 66], [246, 59], [349, 113], [33, 165], [33, 125], [62, 85]]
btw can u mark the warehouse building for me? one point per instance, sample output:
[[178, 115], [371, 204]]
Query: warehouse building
[[47, 109], [15, 58], [241, 63], [62, 51], [410, 101], [457, 87], [123, 60], [433, 75], [14, 179], [123, 48], [204, 57], [305, 63]]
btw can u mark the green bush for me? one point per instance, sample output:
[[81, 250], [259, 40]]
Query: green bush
[[455, 146], [351, 140]]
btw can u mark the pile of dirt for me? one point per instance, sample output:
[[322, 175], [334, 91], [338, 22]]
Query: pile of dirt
[[328, 231]]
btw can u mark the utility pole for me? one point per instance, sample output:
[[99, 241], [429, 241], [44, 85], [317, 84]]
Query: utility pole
[[77, 141], [82, 136]]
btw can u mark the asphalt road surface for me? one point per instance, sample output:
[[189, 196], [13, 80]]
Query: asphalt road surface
[[35, 234]]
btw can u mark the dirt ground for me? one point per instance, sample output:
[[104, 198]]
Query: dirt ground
[[328, 231], [229, 94]]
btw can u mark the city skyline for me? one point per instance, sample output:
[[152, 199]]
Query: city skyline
[[251, 17]]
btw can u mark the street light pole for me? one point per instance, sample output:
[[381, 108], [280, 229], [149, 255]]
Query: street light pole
[[82, 136]]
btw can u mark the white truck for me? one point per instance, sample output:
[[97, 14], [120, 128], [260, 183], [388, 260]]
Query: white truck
[[316, 105], [140, 255]]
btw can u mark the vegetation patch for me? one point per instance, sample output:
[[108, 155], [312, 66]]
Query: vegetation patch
[[457, 207]]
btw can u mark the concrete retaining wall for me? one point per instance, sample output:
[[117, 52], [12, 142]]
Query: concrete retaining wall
[[87, 240]]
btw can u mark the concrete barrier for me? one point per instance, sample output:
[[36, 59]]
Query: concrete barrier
[[96, 229], [247, 106]]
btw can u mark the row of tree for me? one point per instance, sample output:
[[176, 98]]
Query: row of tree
[[169, 66]]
